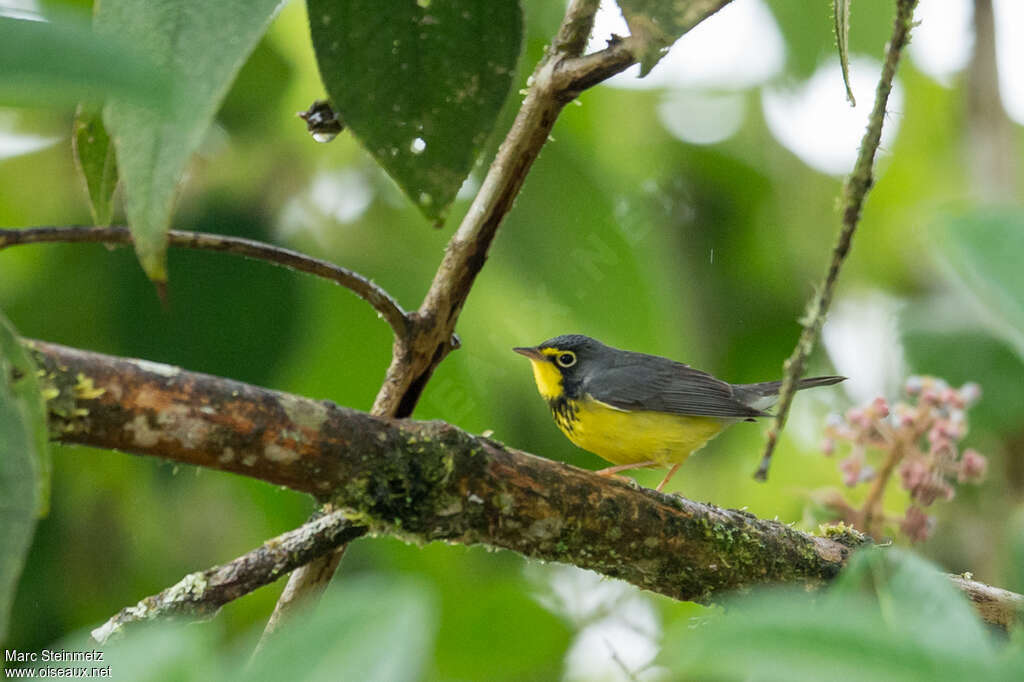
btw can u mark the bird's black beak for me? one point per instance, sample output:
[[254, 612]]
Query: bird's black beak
[[532, 353]]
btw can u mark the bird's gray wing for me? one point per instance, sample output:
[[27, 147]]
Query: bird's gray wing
[[649, 382]]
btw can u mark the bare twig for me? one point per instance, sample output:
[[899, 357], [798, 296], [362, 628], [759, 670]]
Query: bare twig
[[385, 305], [198, 596], [995, 605], [430, 481], [305, 586], [854, 192]]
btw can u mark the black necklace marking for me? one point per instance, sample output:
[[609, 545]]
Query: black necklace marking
[[565, 412]]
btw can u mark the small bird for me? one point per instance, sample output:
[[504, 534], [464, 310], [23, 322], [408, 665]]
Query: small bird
[[637, 410]]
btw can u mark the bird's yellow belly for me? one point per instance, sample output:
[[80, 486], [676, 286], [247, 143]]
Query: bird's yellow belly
[[632, 437]]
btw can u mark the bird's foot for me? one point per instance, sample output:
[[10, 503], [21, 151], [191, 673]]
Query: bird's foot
[[611, 471]]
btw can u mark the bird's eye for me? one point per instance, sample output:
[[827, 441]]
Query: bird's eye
[[566, 359]]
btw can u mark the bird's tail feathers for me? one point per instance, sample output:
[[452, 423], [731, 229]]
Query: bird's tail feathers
[[762, 395]]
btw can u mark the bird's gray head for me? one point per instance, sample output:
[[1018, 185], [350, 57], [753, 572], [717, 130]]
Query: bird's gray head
[[560, 364]]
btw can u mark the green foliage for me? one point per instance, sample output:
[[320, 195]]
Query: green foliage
[[96, 162], [703, 253], [368, 628], [891, 616], [420, 84], [982, 247], [24, 462], [61, 62], [154, 148]]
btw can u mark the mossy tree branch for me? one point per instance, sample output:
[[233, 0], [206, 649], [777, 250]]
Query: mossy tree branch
[[854, 192], [427, 481]]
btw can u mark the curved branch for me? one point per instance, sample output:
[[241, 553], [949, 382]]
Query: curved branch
[[431, 481], [385, 305], [423, 480], [198, 596], [854, 192]]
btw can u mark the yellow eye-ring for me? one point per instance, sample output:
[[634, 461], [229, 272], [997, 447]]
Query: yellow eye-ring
[[566, 359]]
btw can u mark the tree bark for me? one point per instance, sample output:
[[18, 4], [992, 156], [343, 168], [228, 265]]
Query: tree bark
[[427, 481]]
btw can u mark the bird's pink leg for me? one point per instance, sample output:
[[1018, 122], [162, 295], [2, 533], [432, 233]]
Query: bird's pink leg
[[670, 474], [611, 471]]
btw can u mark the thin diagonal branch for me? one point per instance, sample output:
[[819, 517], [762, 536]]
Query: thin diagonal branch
[[428, 481], [432, 328], [198, 596], [385, 305], [854, 192], [559, 77]]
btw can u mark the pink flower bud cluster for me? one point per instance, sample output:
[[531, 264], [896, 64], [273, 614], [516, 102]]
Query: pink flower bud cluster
[[922, 434]]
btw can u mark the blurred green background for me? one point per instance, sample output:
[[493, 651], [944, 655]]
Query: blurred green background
[[703, 246]]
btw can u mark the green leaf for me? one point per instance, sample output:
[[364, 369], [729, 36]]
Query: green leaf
[[913, 594], [61, 62], [659, 23], [841, 17], [420, 84], [365, 628], [96, 162], [160, 652], [906, 627], [24, 462], [206, 43], [982, 249]]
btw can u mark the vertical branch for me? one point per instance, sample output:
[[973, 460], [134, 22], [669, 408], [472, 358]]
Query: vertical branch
[[854, 192], [429, 334]]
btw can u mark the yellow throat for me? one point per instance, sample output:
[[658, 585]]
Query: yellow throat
[[547, 376]]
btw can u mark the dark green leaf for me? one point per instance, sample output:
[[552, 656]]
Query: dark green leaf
[[841, 17], [96, 163], [419, 83], [659, 23], [982, 248], [24, 462], [62, 62], [206, 43]]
